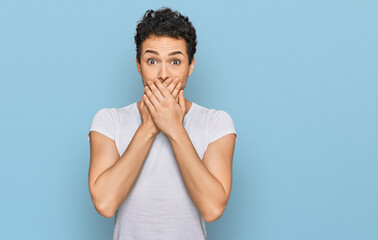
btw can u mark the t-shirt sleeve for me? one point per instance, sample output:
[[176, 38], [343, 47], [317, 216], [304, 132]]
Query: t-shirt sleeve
[[104, 122], [221, 124]]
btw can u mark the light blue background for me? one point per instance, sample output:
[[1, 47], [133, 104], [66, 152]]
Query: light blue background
[[299, 79]]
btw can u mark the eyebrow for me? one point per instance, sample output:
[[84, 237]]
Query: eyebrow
[[170, 54]]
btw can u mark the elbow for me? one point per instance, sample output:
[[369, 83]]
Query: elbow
[[215, 211], [214, 215], [102, 206], [104, 209]]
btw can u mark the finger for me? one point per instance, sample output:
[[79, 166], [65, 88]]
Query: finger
[[151, 97], [155, 90], [142, 102], [176, 90], [182, 100], [149, 105], [168, 82], [173, 84], [164, 91]]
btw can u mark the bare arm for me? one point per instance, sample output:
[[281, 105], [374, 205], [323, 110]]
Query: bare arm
[[110, 187], [112, 177], [208, 181]]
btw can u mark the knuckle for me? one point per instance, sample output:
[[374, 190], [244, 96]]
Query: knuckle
[[154, 90], [165, 103]]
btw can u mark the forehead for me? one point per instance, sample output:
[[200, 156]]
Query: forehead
[[164, 44]]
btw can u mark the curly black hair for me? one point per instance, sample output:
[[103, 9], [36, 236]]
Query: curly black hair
[[165, 22]]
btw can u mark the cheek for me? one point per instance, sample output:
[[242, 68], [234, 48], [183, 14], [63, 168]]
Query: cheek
[[184, 75], [148, 73], [183, 81]]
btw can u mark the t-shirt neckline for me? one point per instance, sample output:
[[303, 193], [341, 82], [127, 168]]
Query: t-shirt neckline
[[185, 117]]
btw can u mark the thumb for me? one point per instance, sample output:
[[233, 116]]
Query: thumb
[[182, 100], [141, 103]]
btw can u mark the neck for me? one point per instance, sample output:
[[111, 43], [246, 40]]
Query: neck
[[188, 105]]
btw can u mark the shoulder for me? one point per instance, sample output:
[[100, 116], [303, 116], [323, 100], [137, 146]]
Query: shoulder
[[211, 114], [106, 120], [112, 115], [218, 122], [114, 112]]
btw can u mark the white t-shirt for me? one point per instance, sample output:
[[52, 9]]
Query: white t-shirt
[[159, 206]]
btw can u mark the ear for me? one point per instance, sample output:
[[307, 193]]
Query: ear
[[138, 65], [191, 66]]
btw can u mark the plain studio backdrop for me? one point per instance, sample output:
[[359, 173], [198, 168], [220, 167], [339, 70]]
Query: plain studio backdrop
[[299, 79]]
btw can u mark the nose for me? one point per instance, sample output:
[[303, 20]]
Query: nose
[[163, 72]]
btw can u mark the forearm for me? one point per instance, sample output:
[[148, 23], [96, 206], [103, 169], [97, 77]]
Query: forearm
[[206, 192], [113, 185]]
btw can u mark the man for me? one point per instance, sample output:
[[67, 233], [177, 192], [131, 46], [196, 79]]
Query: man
[[163, 165]]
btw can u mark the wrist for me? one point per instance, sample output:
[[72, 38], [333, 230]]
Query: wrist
[[148, 130], [177, 133]]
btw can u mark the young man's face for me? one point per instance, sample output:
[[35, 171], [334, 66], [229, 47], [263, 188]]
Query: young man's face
[[164, 57]]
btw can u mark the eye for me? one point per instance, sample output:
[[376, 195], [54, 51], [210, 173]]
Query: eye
[[151, 61], [176, 62]]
